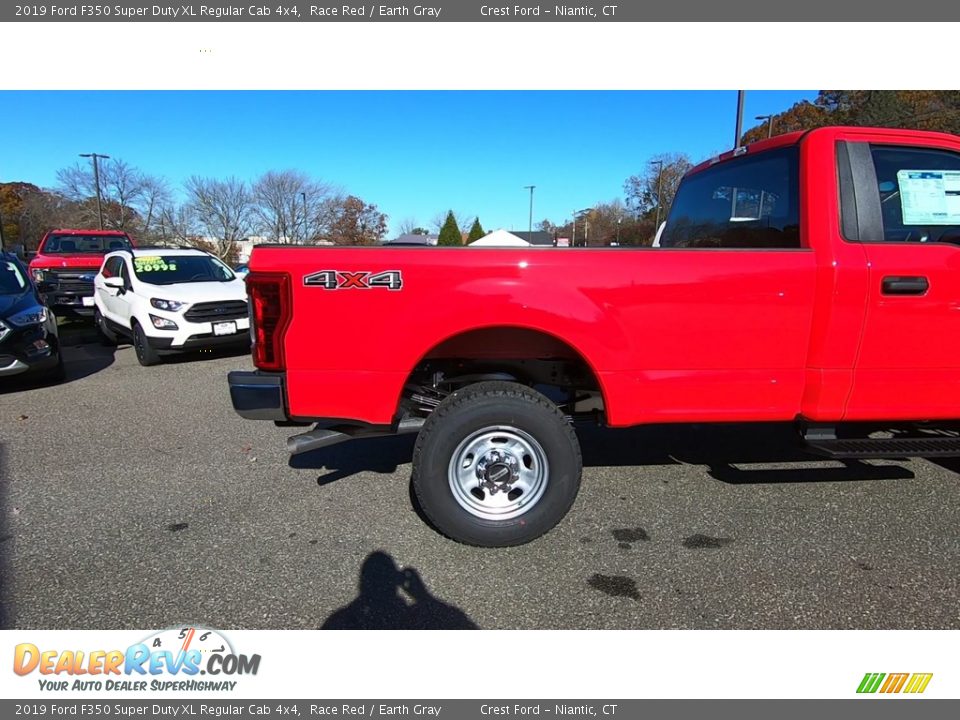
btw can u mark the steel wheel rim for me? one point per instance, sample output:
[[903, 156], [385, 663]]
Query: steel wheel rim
[[498, 473]]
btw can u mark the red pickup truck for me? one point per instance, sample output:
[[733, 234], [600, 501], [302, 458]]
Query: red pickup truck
[[66, 263], [812, 277]]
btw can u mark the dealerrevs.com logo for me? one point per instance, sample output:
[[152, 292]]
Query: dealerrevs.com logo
[[892, 683], [171, 659]]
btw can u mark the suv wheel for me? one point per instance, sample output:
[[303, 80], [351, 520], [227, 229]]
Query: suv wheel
[[496, 464], [146, 355]]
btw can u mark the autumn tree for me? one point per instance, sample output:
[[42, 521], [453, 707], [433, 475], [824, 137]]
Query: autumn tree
[[476, 231], [803, 115], [355, 222], [911, 109], [450, 232]]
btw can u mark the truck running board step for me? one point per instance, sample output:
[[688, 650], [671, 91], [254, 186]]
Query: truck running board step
[[324, 437], [856, 448]]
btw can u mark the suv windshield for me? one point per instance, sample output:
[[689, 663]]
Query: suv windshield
[[93, 243], [170, 269], [12, 281]]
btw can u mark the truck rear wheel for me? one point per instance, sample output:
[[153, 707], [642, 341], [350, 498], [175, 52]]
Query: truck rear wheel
[[496, 464]]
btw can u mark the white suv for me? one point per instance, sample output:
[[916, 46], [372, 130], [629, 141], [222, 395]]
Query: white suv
[[168, 301]]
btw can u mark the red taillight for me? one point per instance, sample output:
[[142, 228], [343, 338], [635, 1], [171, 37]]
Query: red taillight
[[270, 315]]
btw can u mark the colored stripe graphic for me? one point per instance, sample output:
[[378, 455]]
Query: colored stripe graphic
[[918, 683], [870, 682], [894, 683]]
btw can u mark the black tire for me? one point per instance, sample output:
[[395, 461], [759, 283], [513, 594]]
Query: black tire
[[469, 413], [146, 355], [107, 336], [58, 373]]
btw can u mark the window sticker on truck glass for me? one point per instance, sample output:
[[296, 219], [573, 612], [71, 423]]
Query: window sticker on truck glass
[[929, 197], [152, 263], [354, 280]]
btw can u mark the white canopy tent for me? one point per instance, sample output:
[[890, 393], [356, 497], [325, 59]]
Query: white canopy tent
[[500, 238]]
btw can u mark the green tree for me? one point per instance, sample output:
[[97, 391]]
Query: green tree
[[450, 233], [476, 232]]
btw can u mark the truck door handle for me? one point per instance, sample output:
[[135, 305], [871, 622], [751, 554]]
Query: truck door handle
[[904, 285]]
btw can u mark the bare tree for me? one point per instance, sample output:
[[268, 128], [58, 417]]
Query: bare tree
[[222, 209], [654, 187], [408, 226], [464, 220], [155, 196], [121, 189], [177, 224], [289, 206]]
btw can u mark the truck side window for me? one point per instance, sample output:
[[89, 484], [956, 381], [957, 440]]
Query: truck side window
[[919, 193], [747, 202]]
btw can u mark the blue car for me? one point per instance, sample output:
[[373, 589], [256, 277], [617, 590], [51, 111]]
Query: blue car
[[29, 341]]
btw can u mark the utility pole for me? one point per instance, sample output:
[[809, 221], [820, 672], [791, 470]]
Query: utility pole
[[573, 243], [769, 119], [305, 225], [741, 97], [96, 180], [530, 226], [659, 164]]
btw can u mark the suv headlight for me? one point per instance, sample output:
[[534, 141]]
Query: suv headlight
[[168, 305], [31, 316], [37, 274]]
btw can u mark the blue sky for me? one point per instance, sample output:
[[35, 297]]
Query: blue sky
[[413, 154]]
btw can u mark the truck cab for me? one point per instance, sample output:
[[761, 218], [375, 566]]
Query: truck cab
[[67, 262]]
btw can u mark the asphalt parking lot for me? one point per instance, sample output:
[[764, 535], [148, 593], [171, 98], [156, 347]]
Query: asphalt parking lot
[[134, 498]]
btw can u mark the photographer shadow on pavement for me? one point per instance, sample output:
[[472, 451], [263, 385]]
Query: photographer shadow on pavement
[[395, 599]]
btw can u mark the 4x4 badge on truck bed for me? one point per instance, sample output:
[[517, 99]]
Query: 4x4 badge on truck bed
[[351, 280]]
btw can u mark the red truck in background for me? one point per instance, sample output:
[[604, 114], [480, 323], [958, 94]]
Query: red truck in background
[[812, 277], [66, 263]]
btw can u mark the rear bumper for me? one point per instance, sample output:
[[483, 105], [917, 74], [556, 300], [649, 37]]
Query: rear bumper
[[257, 395]]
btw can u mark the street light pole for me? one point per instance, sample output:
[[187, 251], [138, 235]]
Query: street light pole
[[530, 226], [741, 97], [769, 119], [96, 180], [659, 164]]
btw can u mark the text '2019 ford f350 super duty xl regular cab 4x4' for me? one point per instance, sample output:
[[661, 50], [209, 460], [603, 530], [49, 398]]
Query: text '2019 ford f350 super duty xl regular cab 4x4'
[[812, 277]]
